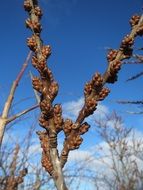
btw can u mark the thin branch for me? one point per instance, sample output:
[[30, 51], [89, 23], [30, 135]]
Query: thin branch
[[129, 102], [135, 76], [21, 113], [8, 103]]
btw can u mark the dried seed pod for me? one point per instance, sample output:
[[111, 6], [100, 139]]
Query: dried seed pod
[[84, 128], [27, 5], [46, 51], [67, 126], [127, 42], [112, 55], [104, 92], [97, 80], [134, 20], [31, 43], [38, 11]]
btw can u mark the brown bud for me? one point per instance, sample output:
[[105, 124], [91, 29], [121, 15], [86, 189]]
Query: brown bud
[[46, 51], [84, 128], [31, 43], [53, 90], [87, 89], [67, 126], [127, 42], [134, 20], [45, 106], [75, 142], [104, 92], [37, 84], [34, 61], [36, 26], [38, 11], [57, 109], [43, 122], [97, 79], [27, 5], [41, 65], [28, 23], [112, 55], [46, 163], [90, 106], [116, 65]]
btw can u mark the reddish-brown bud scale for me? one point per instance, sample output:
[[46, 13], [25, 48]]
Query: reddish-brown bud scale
[[127, 42], [46, 51], [134, 20], [27, 5], [31, 43], [97, 79], [38, 12], [84, 128], [112, 55], [37, 84]]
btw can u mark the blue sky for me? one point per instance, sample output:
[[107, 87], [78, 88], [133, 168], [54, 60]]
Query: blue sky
[[78, 32]]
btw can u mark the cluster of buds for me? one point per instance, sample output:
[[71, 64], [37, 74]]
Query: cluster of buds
[[27, 5], [45, 107], [103, 93], [46, 162], [38, 12], [31, 43], [37, 84], [58, 120], [87, 89], [43, 122], [46, 51], [33, 25], [97, 80], [39, 64], [114, 68], [112, 55], [134, 20], [53, 90], [67, 126], [84, 128], [74, 142], [127, 42], [90, 106]]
